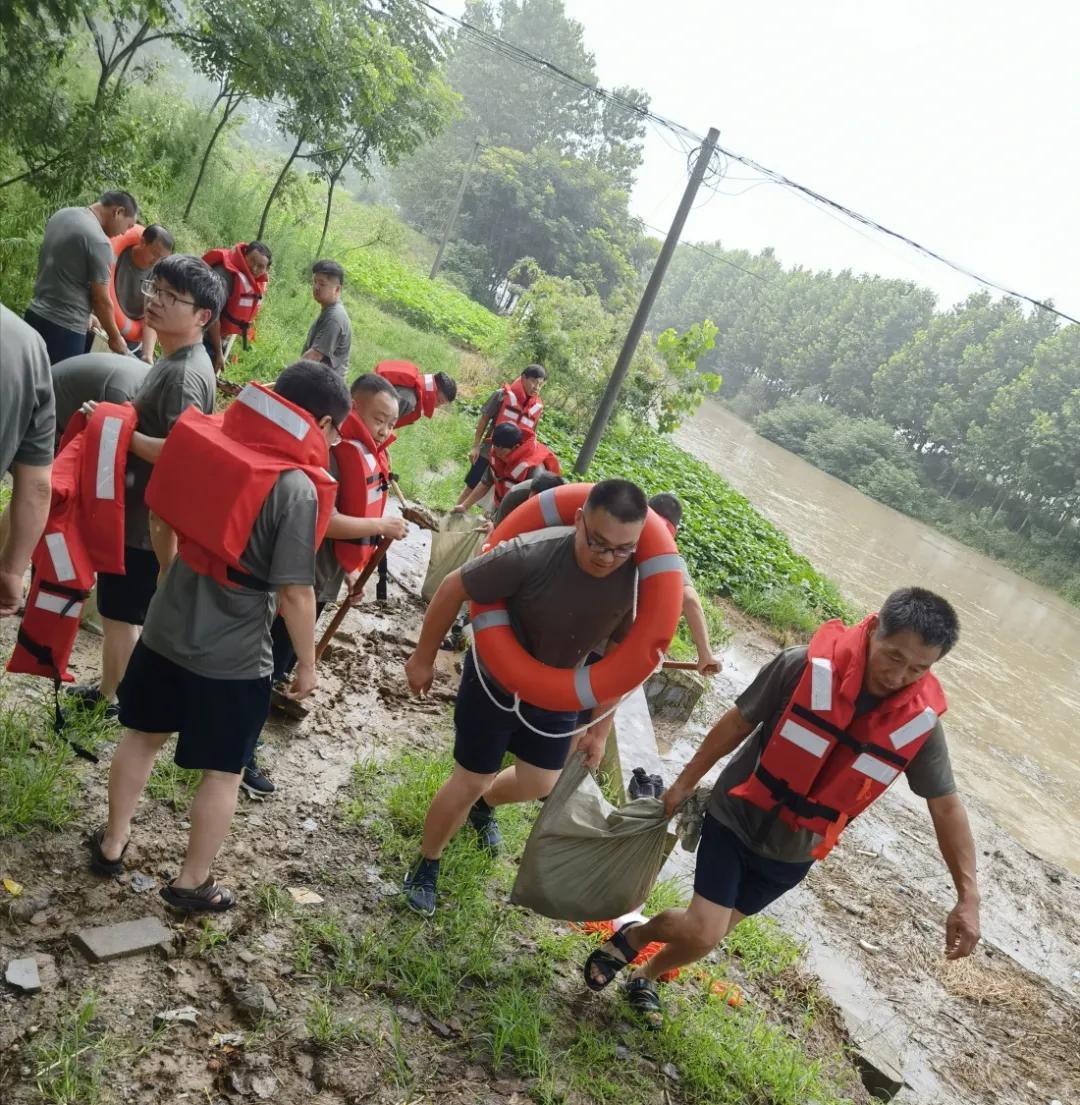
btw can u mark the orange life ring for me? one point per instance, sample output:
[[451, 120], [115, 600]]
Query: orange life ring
[[630, 662]]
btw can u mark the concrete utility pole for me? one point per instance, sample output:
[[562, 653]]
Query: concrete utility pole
[[637, 327], [449, 228]]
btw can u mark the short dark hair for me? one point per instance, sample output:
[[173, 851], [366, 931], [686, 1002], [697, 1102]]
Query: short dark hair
[[623, 500], [545, 482], [535, 372], [923, 612], [371, 383], [447, 385], [155, 232], [259, 247], [506, 436], [329, 268], [194, 277], [122, 199], [315, 387], [667, 506]]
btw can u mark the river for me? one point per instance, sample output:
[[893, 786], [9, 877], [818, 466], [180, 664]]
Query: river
[[1013, 681]]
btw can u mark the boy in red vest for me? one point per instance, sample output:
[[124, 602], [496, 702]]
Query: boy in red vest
[[419, 394], [518, 403], [514, 457], [244, 272], [201, 669], [872, 685]]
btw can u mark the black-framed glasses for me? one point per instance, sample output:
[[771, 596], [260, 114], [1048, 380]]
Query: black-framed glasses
[[617, 552], [151, 290]]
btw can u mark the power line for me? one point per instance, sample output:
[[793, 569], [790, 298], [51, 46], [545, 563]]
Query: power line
[[714, 256], [533, 61]]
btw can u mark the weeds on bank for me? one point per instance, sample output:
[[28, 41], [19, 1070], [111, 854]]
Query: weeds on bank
[[173, 785], [511, 979], [70, 1065]]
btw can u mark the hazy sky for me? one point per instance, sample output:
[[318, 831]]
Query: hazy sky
[[955, 122]]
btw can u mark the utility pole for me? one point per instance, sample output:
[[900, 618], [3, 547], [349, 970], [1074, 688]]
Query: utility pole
[[641, 316], [449, 228]]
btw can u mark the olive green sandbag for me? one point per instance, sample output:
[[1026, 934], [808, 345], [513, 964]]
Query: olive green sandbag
[[586, 860], [455, 542]]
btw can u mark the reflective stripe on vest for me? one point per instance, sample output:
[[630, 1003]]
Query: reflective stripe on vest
[[61, 557], [821, 684], [58, 604], [105, 483], [804, 738], [249, 299], [915, 728], [429, 382], [874, 769], [262, 402]]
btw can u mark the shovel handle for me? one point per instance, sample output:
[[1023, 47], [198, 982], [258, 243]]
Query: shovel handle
[[680, 665], [347, 605]]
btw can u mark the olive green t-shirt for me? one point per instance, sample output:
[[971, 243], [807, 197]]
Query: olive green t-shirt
[[762, 703], [74, 254], [27, 409], [331, 335], [103, 377]]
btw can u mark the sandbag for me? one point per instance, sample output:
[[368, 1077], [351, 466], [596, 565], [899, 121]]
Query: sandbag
[[586, 860], [455, 542]]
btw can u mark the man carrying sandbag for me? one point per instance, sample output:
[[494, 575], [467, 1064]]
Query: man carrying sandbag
[[833, 725], [567, 590]]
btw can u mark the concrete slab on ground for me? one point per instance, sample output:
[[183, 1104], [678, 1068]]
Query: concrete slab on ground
[[122, 939]]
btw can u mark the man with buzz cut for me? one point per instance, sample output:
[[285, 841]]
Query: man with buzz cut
[[329, 340], [568, 589], [74, 273]]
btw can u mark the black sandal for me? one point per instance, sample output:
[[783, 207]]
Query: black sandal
[[644, 999], [100, 864], [208, 898], [607, 964]]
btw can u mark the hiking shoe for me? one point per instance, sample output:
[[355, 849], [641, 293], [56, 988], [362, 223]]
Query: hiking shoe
[[256, 782], [640, 784], [482, 819], [88, 698], [419, 887], [657, 786]]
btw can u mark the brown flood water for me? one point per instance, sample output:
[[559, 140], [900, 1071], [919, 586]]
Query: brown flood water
[[1013, 682]]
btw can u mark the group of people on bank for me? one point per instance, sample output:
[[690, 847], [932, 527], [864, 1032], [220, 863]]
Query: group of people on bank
[[216, 540]]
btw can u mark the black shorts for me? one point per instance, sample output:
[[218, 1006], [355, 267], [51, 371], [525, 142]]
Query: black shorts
[[476, 473], [217, 721], [483, 733], [126, 598], [729, 874]]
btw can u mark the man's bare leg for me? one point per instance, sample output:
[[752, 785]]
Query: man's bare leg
[[449, 809], [520, 782], [131, 765], [211, 815], [117, 646]]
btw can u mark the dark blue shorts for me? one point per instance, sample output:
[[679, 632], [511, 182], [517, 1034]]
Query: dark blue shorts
[[60, 343], [127, 598], [476, 473], [217, 721], [729, 874], [483, 733]]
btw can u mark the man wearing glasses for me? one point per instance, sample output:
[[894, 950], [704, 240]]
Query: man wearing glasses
[[182, 297], [568, 589]]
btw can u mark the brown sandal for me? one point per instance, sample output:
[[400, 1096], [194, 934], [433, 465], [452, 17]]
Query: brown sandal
[[100, 864], [208, 898]]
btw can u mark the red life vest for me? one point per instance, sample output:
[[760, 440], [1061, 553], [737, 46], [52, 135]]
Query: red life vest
[[364, 470], [130, 328], [245, 291], [84, 535], [821, 766], [519, 462], [216, 470], [404, 374], [519, 409]]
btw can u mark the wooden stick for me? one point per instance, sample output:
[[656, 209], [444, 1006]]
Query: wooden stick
[[347, 605], [680, 665]]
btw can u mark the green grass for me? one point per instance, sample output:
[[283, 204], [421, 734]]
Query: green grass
[[785, 606], [72, 1062], [172, 784], [210, 940], [513, 980], [682, 644]]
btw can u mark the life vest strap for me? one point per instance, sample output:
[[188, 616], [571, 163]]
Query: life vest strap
[[848, 740], [246, 579], [73, 594], [799, 804], [358, 540], [243, 327]]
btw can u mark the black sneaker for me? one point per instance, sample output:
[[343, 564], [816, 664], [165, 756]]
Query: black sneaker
[[89, 698], [419, 887], [657, 786], [256, 782], [640, 784], [482, 819]]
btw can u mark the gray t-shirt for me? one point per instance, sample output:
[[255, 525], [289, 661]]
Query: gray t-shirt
[[74, 254], [762, 703], [223, 632], [181, 380], [331, 335], [512, 499], [104, 377], [558, 612], [407, 401], [128, 280], [27, 409]]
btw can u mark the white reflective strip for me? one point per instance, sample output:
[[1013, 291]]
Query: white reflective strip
[[489, 619], [807, 741], [106, 458], [549, 508], [375, 496], [245, 301], [583, 689], [870, 765], [820, 683], [245, 284], [918, 725], [55, 604], [61, 558], [520, 469], [530, 422], [665, 562], [429, 382], [262, 402], [511, 414]]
